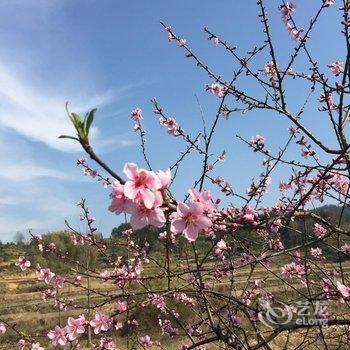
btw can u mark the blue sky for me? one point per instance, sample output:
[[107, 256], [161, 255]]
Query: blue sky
[[114, 55]]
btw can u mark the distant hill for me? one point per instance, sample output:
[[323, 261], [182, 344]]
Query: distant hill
[[333, 212]]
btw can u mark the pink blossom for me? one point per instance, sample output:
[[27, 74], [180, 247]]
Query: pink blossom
[[165, 178], [118, 325], [270, 69], [45, 275], [146, 341], [182, 42], [226, 113], [329, 2], [100, 323], [136, 114], [316, 253], [60, 305], [21, 344], [319, 230], [121, 306], [57, 336], [222, 157], [293, 130], [275, 225], [284, 186], [343, 290], [217, 90], [184, 298], [127, 233], [215, 40], [119, 201], [51, 247], [23, 263], [104, 275], [336, 67], [57, 281], [204, 198], [345, 248], [170, 34], [36, 346], [2, 328], [164, 235], [232, 318], [75, 327], [296, 33], [287, 10], [328, 98], [171, 124], [292, 269], [303, 141], [189, 220], [246, 258], [306, 152], [290, 71], [106, 343], [142, 216], [258, 141], [220, 248], [142, 183], [167, 328], [249, 215]]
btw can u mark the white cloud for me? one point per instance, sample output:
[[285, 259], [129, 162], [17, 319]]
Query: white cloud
[[9, 226], [27, 171], [41, 117], [32, 194], [45, 209], [20, 163]]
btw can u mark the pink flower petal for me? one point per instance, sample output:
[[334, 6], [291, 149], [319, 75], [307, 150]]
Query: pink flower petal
[[178, 225], [148, 197], [129, 190], [183, 209], [130, 170], [191, 233]]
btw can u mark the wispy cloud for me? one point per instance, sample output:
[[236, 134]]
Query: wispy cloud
[[39, 116], [38, 187], [27, 171], [34, 207]]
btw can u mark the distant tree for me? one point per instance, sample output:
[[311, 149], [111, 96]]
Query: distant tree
[[19, 238], [117, 231]]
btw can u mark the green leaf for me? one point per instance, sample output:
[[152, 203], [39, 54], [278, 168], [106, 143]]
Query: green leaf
[[76, 120], [89, 120], [68, 137], [79, 126]]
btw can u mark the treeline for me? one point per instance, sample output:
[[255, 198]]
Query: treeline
[[330, 248], [66, 254], [58, 252]]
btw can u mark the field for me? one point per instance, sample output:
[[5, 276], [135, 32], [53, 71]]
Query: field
[[21, 304]]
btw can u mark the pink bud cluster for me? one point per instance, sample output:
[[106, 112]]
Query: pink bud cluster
[[287, 10]]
